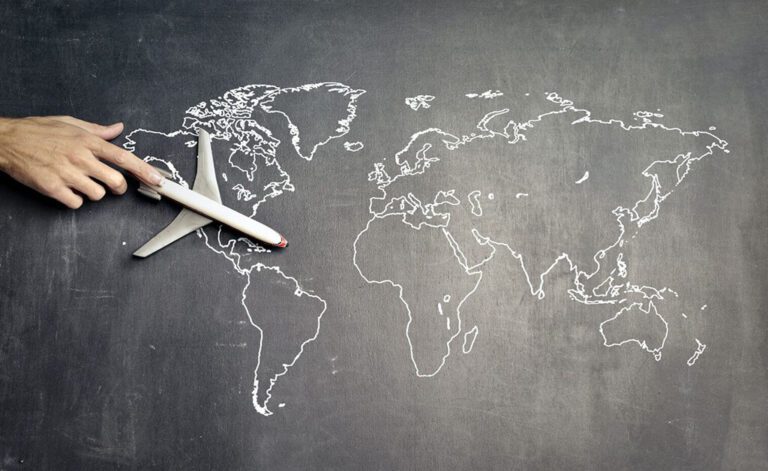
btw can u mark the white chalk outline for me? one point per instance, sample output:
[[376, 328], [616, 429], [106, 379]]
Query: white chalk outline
[[514, 132], [419, 101], [488, 95], [656, 352], [583, 178], [230, 119], [700, 347], [469, 340], [399, 288], [356, 146], [234, 258], [474, 201]]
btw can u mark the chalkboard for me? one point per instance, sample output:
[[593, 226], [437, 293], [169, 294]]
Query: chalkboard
[[523, 235]]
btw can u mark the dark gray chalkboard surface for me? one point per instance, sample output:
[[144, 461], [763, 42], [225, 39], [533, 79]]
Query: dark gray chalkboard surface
[[429, 162]]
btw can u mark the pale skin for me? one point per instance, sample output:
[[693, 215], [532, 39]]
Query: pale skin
[[66, 158]]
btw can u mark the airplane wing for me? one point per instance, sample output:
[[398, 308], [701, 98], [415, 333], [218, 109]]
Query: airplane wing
[[187, 221], [205, 179]]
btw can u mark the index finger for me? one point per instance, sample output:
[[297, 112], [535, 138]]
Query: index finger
[[126, 160]]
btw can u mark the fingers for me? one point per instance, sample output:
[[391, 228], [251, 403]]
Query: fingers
[[124, 159], [102, 149], [66, 159], [105, 132], [67, 197], [87, 187], [110, 177], [70, 185]]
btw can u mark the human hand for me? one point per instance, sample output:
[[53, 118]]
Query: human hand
[[63, 158]]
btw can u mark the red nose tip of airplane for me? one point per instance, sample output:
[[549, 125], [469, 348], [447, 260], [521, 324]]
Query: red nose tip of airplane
[[283, 243]]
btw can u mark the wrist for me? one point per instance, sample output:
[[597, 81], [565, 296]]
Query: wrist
[[5, 141]]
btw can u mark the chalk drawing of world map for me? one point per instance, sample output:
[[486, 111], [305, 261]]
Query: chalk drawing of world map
[[546, 209], [579, 218]]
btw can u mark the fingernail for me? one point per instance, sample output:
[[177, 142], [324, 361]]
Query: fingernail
[[154, 177]]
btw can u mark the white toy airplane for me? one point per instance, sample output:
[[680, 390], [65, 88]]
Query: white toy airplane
[[203, 206]]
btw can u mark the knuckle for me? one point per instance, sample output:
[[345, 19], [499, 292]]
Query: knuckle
[[76, 157], [70, 173], [116, 182], [122, 157], [49, 187], [92, 141]]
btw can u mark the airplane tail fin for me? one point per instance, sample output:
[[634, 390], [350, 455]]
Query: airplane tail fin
[[187, 221]]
